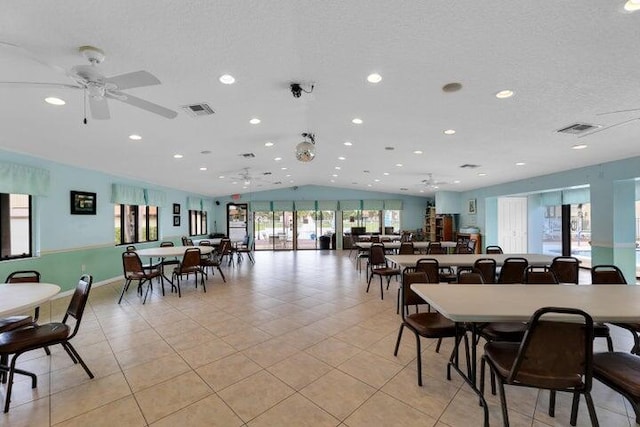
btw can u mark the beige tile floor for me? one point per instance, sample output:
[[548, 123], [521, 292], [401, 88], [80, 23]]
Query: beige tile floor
[[291, 341]]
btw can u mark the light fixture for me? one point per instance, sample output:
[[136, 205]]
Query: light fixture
[[178, 156], [221, 177], [449, 132], [135, 137], [385, 173], [374, 78], [503, 94], [335, 175], [376, 180], [342, 158], [283, 168], [356, 121], [277, 159], [579, 146], [632, 5], [520, 164], [457, 181], [399, 165], [348, 144], [417, 152], [337, 168], [254, 121], [268, 144], [54, 101], [306, 150], [203, 169], [482, 174], [227, 79]]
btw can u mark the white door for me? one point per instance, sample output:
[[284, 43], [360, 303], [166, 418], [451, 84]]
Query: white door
[[512, 224]]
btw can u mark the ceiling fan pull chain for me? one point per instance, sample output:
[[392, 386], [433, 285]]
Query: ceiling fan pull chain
[[85, 106]]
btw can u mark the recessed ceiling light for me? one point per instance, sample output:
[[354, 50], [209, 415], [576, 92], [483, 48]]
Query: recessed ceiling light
[[254, 121], [482, 174], [244, 187], [504, 94], [335, 175], [520, 164], [268, 144], [54, 101], [342, 158], [277, 159], [221, 177], [356, 121], [288, 175], [374, 78], [234, 182], [457, 181], [376, 180], [348, 144], [337, 168], [385, 173], [227, 79], [284, 169], [399, 165], [178, 156], [369, 185], [449, 132], [203, 169], [579, 146], [422, 191], [632, 5], [417, 152], [135, 137], [332, 180], [291, 181]]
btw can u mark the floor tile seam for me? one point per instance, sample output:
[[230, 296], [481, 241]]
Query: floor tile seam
[[465, 389], [193, 403], [96, 408]]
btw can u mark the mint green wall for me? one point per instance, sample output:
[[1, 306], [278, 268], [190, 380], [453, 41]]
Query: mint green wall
[[66, 243]]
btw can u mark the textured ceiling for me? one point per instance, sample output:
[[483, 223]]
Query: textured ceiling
[[566, 62]]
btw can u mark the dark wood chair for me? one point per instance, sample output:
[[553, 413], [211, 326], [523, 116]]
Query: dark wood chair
[[435, 248], [512, 270], [135, 271], [487, 267], [611, 275], [566, 269], [210, 261], [164, 262], [190, 264], [621, 372], [380, 267], [25, 276], [246, 248], [426, 325], [406, 248], [493, 249], [556, 356], [226, 251], [470, 278], [19, 341], [540, 275]]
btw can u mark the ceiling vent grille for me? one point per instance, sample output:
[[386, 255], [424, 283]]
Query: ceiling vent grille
[[578, 128], [469, 166], [248, 155], [198, 110]]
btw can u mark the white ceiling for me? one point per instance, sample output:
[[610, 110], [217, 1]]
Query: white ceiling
[[566, 62]]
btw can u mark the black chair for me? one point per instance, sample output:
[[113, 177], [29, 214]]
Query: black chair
[[19, 341], [470, 278], [246, 247], [566, 269], [607, 275], [556, 356], [540, 275], [427, 325], [406, 248], [487, 267], [493, 249], [25, 276], [431, 267], [380, 267], [164, 262], [621, 372], [512, 270], [226, 251], [190, 264], [210, 261], [135, 271]]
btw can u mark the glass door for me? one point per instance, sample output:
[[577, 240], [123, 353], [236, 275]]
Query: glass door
[[237, 221], [283, 230], [263, 230], [307, 229]]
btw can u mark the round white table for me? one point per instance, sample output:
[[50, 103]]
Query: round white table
[[169, 251], [16, 298]]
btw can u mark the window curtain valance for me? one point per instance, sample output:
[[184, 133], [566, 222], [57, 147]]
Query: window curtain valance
[[194, 203], [373, 205], [350, 205], [327, 205], [22, 179], [282, 205], [127, 195], [305, 205], [393, 205], [261, 206], [155, 198]]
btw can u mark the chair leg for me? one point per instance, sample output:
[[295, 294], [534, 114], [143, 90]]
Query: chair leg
[[146, 294], [12, 371], [552, 403], [482, 368], [381, 290], [503, 404], [574, 408], [253, 261], [222, 274], [419, 359], [438, 345], [395, 352], [592, 410], [609, 343], [125, 286], [398, 302], [84, 365], [47, 351]]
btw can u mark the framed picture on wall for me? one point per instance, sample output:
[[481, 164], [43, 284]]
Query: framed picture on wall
[[471, 208], [176, 220], [176, 208], [83, 203]]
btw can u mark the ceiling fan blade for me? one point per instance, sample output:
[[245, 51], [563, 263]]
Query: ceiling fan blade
[[99, 108], [618, 111], [33, 56], [132, 80], [38, 84], [146, 105]]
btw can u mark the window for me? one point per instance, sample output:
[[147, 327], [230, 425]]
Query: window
[[135, 224], [198, 223], [15, 226], [371, 220]]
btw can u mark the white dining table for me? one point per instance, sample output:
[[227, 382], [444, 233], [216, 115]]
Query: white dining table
[[516, 303], [391, 245], [467, 260], [17, 298], [169, 251]]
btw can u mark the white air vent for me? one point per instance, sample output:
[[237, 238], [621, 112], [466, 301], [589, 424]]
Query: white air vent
[[578, 128], [469, 166], [198, 110], [248, 155]]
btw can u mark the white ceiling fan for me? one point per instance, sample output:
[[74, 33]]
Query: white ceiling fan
[[432, 183], [247, 179], [96, 86]]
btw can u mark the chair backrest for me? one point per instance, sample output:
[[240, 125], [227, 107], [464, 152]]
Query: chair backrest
[[184, 240], [539, 275], [130, 248], [512, 270], [494, 249], [607, 275], [376, 254], [411, 275], [131, 264], [435, 248], [406, 236], [375, 239], [191, 258], [205, 243], [406, 248], [23, 276], [225, 247], [566, 269], [470, 277], [555, 354], [431, 267], [486, 267], [79, 301], [463, 248], [166, 244]]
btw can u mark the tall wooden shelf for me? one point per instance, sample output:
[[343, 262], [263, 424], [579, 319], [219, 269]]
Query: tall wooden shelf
[[437, 227]]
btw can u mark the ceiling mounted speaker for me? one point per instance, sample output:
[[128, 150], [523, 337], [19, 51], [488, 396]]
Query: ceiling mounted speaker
[[306, 150]]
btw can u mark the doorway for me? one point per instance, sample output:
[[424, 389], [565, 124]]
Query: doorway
[[512, 224]]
